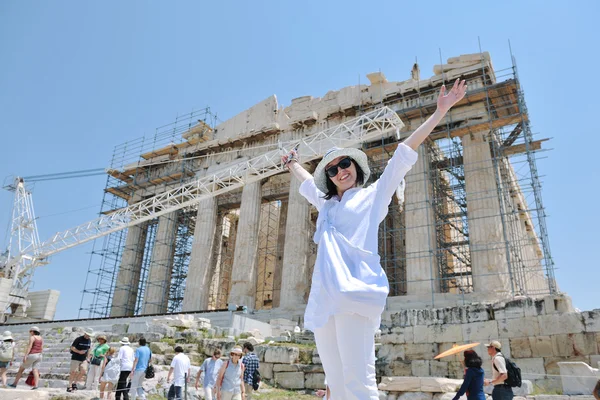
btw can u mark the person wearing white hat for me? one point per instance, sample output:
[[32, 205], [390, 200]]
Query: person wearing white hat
[[349, 287], [230, 382], [7, 354], [501, 391], [127, 356], [33, 357]]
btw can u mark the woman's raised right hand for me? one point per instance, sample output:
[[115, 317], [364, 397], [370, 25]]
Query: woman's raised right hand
[[292, 155]]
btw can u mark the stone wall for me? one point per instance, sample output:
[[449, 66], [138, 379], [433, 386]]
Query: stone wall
[[535, 333]]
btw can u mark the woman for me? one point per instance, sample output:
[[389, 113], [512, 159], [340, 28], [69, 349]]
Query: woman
[[230, 382], [95, 361], [473, 383], [32, 359], [7, 354], [111, 369], [349, 287]]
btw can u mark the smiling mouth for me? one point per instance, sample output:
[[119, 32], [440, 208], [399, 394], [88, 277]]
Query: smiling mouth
[[344, 177]]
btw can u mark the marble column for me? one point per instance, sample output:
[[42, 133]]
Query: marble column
[[156, 296], [244, 270], [280, 246], [421, 246], [128, 277], [489, 263], [200, 269], [294, 284]]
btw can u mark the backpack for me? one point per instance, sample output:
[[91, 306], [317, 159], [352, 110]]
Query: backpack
[[6, 351], [513, 372], [256, 379]]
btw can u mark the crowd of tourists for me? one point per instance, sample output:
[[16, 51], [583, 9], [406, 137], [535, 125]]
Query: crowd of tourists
[[122, 371]]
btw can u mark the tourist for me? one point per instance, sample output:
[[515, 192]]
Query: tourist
[[126, 355], [349, 287], [95, 361], [230, 382], [473, 379], [210, 368], [251, 365], [180, 369], [7, 354], [138, 372], [111, 368], [80, 349], [501, 390], [33, 357]]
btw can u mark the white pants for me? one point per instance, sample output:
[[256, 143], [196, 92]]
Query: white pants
[[137, 389], [346, 345], [93, 377], [230, 396], [208, 393]]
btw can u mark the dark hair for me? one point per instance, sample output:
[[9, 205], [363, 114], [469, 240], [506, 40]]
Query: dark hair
[[249, 346], [142, 341], [217, 352], [472, 360], [178, 349], [332, 189]]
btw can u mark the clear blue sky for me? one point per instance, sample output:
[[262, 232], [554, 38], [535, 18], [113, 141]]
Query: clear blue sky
[[79, 77]]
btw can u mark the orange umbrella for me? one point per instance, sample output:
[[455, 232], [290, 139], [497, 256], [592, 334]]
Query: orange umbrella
[[456, 349]]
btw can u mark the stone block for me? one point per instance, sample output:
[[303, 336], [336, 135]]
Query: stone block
[[555, 324], [550, 397], [266, 370], [286, 367], [415, 396], [531, 366], [420, 368], [392, 352], [552, 368], [118, 329], [152, 337], [480, 331], [537, 307], [162, 329], [520, 347], [520, 327], [161, 348], [399, 368], [314, 381], [575, 344], [423, 351], [282, 355], [400, 384], [290, 380], [447, 396], [456, 370], [438, 333], [578, 378], [438, 368], [137, 327], [591, 320], [541, 346], [437, 385], [477, 313]]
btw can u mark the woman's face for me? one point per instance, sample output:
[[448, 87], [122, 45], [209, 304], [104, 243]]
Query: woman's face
[[345, 177]]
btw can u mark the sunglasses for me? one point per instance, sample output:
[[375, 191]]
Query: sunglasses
[[343, 164], [235, 354]]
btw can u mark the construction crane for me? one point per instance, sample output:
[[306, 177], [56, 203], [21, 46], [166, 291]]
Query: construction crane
[[21, 260]]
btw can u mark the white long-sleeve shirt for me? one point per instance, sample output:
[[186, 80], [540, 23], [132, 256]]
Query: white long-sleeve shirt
[[348, 277], [126, 354]]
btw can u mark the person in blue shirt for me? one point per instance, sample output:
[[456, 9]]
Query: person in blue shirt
[[210, 368], [473, 383], [138, 372]]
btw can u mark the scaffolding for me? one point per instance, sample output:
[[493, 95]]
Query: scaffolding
[[148, 165], [450, 190], [514, 151]]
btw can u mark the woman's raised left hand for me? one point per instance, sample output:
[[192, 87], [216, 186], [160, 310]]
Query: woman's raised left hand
[[445, 100]]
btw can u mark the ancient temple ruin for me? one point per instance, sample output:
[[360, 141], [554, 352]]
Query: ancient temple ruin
[[471, 226]]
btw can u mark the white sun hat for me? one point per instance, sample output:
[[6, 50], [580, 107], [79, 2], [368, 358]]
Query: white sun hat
[[359, 157]]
